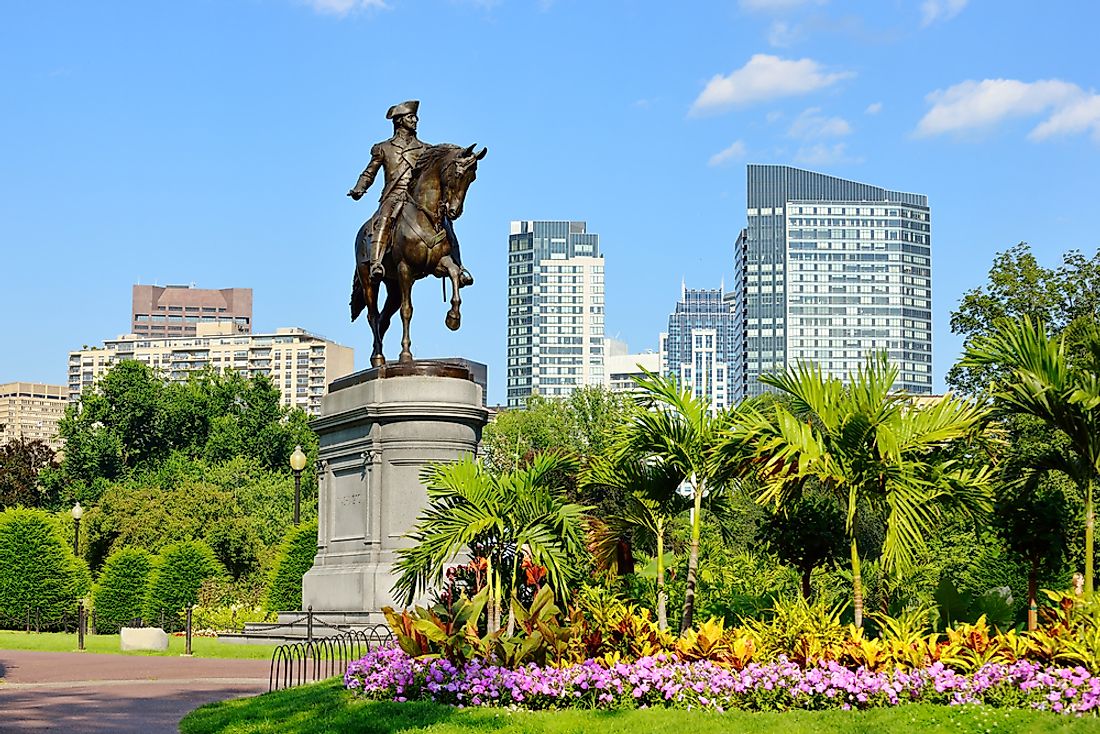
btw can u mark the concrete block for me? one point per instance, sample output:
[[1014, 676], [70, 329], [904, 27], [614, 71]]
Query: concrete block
[[144, 638]]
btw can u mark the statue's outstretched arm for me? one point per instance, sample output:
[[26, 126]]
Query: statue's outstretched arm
[[366, 178]]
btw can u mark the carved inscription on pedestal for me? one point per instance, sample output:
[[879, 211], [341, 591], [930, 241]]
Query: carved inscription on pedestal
[[349, 513]]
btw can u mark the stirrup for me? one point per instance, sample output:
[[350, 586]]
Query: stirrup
[[465, 279]]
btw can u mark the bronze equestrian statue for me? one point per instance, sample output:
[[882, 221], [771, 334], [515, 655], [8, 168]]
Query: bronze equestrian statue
[[411, 235]]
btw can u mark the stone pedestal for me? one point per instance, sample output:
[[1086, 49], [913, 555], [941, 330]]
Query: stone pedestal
[[378, 429]]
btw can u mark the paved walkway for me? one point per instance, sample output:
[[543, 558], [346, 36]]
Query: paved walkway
[[121, 694]]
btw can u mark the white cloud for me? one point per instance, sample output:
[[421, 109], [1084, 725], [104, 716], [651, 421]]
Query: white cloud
[[783, 34], [343, 7], [811, 125], [737, 150], [933, 10], [874, 108], [971, 104], [821, 154], [774, 6], [764, 77], [1078, 116]]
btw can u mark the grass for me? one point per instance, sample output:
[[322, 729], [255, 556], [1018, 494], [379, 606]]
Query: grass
[[325, 708], [201, 647]]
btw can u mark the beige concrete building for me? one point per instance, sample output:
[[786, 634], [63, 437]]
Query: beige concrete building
[[300, 364], [177, 310], [620, 368], [32, 410]]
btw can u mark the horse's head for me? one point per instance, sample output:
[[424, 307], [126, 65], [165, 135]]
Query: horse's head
[[459, 172]]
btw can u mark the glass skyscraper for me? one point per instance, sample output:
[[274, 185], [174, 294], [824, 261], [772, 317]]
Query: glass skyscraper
[[698, 347], [828, 270], [555, 309]]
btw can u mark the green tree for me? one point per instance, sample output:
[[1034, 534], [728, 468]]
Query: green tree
[[652, 502], [133, 421], [582, 424], [120, 591], [806, 533], [37, 568], [1042, 381], [176, 578], [872, 447], [22, 462], [676, 429], [1019, 286], [521, 512], [296, 554]]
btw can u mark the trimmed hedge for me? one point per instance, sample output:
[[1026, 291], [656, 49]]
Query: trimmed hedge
[[284, 592], [175, 581], [38, 570], [120, 594]]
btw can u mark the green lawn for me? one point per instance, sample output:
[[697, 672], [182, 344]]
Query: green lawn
[[325, 708], [203, 647]]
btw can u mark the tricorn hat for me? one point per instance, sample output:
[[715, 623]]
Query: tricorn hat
[[405, 108]]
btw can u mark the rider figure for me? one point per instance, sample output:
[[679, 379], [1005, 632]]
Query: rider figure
[[397, 158]]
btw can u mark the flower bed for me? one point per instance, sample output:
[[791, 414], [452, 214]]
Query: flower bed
[[390, 674]]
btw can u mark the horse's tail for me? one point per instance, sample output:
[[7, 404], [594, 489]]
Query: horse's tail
[[358, 300], [358, 290]]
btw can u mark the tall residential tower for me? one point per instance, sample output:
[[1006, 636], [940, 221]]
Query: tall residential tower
[[555, 309], [828, 270], [699, 346]]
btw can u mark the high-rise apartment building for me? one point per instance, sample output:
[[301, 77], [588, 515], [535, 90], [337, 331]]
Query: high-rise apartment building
[[828, 270], [31, 411], [176, 310], [300, 364], [555, 309], [698, 349]]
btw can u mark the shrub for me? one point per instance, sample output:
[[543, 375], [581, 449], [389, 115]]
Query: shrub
[[236, 545], [120, 593], [295, 558], [37, 569], [224, 605], [176, 579]]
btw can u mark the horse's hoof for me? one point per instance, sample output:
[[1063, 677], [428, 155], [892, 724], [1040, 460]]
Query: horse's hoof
[[377, 360], [453, 321], [405, 358]]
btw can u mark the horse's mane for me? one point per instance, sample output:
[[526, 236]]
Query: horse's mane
[[433, 156]]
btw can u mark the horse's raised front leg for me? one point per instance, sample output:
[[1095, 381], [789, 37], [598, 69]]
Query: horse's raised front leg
[[404, 276], [454, 316]]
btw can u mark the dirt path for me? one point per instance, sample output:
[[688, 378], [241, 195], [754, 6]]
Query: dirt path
[[123, 694]]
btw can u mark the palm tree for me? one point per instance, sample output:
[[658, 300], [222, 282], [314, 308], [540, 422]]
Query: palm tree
[[643, 518], [521, 512], [677, 430], [1043, 381], [872, 447]]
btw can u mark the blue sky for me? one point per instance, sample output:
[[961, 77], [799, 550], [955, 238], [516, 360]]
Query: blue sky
[[213, 142]]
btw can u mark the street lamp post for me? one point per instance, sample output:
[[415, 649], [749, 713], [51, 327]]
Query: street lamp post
[[297, 463], [77, 512]]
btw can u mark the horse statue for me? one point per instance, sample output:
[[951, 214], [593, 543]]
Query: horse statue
[[420, 245]]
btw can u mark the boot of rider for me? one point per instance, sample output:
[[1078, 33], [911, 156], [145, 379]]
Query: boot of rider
[[378, 250]]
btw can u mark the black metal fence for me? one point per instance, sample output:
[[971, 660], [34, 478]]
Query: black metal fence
[[318, 658], [84, 622]]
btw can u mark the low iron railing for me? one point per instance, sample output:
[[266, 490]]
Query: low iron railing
[[318, 658]]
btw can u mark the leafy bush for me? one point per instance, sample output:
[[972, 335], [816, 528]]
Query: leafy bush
[[295, 558], [236, 545], [120, 593], [225, 605], [176, 579], [37, 569]]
